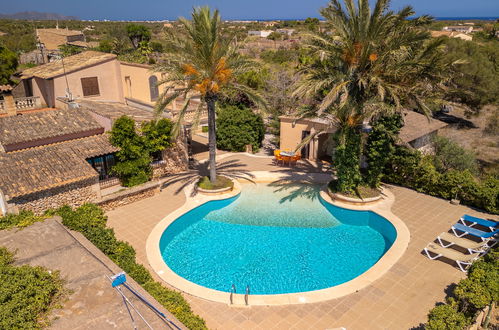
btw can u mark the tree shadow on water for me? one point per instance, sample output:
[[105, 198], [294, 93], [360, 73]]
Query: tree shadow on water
[[301, 183]]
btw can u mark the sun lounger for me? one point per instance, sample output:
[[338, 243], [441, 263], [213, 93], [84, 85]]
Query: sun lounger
[[462, 260], [469, 245], [492, 225], [484, 235]]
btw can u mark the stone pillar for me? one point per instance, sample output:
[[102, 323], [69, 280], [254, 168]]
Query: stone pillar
[[3, 204], [10, 104]]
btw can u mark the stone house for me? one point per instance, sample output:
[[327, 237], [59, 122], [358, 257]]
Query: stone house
[[459, 28], [417, 133], [89, 75], [260, 33], [45, 159], [452, 34], [53, 157], [98, 76], [52, 39]]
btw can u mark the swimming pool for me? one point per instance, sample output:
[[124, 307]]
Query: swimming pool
[[275, 242]]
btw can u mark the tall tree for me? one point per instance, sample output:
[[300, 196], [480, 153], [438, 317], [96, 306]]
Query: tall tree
[[202, 63], [375, 62], [8, 64], [137, 34]]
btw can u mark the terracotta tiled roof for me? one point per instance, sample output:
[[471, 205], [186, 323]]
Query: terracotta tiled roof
[[71, 63], [41, 168], [5, 88], [53, 38], [436, 34], [114, 110], [29, 128], [78, 43], [418, 125]]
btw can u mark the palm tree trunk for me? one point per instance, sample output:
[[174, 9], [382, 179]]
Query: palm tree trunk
[[212, 138]]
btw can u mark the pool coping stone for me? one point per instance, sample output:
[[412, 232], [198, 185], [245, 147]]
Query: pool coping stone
[[382, 208]]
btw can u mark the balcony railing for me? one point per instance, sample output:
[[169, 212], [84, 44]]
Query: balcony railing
[[24, 103], [2, 106]]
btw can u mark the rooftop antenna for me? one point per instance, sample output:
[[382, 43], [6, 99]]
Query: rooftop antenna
[[69, 96]]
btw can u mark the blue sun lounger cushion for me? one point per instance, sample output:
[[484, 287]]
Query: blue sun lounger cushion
[[492, 225]]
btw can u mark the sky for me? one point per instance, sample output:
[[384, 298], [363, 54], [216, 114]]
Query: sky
[[233, 9]]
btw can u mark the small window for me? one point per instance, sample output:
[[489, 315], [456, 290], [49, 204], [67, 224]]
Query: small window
[[90, 86], [153, 88], [157, 156]]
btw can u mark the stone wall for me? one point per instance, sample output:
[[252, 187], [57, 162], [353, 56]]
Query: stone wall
[[73, 194], [128, 196], [175, 160]]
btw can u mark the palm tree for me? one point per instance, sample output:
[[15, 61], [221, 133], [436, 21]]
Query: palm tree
[[202, 63], [375, 62]]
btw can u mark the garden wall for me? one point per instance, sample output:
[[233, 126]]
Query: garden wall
[[175, 160], [73, 194]]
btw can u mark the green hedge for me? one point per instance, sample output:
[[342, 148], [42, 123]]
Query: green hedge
[[90, 220], [27, 294], [238, 127], [21, 220], [409, 168], [471, 295]]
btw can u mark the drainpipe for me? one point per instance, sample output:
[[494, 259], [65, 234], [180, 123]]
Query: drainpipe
[[3, 203]]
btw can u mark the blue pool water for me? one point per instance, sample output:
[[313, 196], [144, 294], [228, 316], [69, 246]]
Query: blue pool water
[[274, 241]]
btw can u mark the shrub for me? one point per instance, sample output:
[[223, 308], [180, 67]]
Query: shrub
[[21, 220], [90, 220], [157, 134], [238, 127], [492, 124], [133, 163], [410, 169], [446, 317], [26, 294], [134, 157], [481, 288], [450, 155], [8, 64], [279, 56], [478, 290]]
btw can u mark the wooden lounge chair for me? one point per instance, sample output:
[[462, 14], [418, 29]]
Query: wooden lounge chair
[[468, 244], [462, 260]]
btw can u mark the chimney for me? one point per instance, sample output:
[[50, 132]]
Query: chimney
[[10, 104]]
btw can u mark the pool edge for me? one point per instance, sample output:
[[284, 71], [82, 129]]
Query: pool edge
[[388, 260]]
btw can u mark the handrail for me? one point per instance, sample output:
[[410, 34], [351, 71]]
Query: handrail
[[246, 296], [232, 291]]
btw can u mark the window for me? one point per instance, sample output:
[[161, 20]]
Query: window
[[153, 88], [102, 165], [90, 86]]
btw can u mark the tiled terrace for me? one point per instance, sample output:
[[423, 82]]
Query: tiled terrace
[[401, 299]]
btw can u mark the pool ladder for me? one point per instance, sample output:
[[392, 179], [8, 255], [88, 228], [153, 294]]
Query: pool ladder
[[233, 291], [246, 296]]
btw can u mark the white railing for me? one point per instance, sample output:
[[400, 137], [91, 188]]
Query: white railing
[[23, 103]]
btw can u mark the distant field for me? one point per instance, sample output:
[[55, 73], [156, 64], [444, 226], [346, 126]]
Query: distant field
[[471, 134]]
